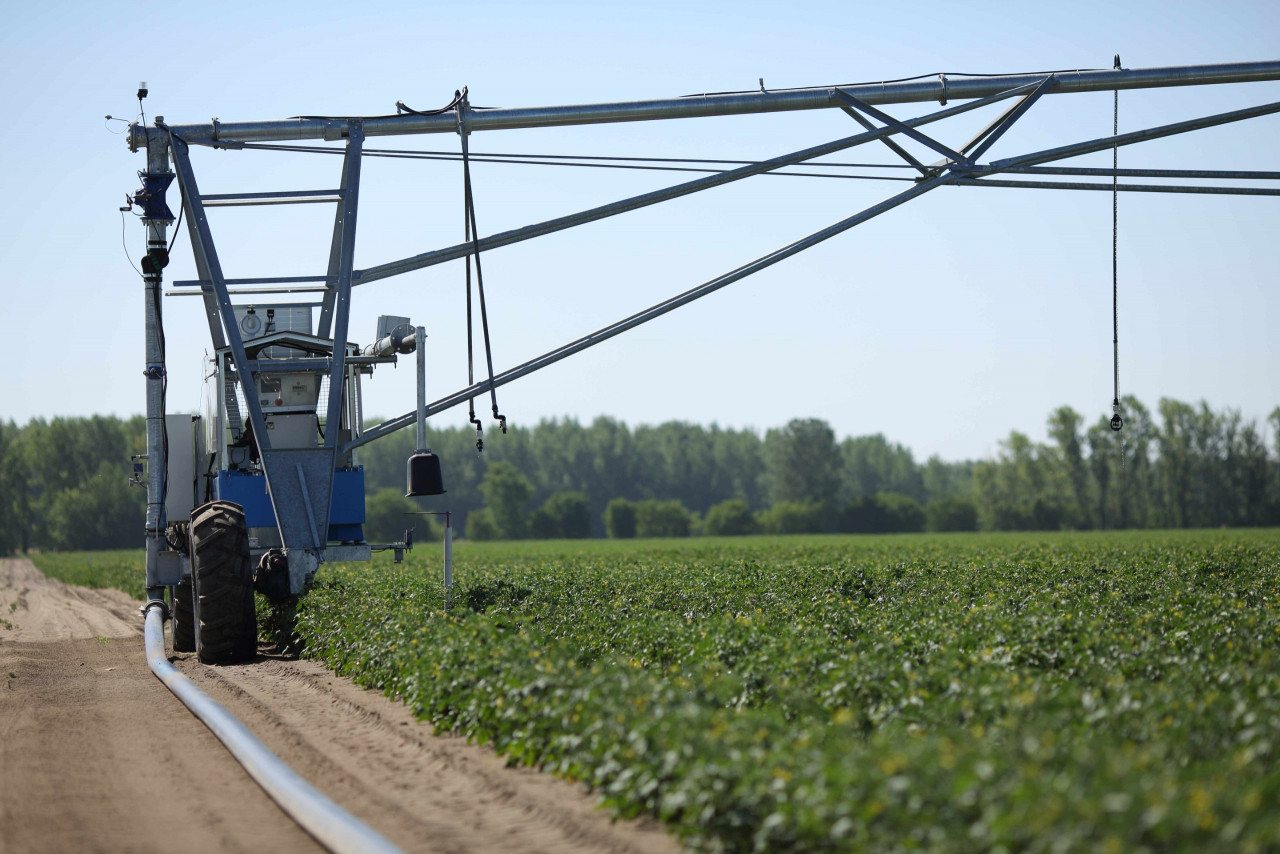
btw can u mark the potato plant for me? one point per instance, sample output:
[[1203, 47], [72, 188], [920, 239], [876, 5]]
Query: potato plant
[[1042, 693]]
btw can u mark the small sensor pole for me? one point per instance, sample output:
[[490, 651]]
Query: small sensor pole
[[420, 336]]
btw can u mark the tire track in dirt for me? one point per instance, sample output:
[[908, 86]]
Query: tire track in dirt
[[97, 755]]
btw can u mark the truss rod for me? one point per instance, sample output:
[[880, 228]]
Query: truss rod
[[648, 314], [506, 238], [1234, 174], [1107, 142], [1124, 188], [737, 103]]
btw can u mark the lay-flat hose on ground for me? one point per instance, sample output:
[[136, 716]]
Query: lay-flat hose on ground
[[332, 826]]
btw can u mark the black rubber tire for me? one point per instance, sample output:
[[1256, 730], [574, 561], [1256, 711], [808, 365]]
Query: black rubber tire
[[183, 627], [225, 622]]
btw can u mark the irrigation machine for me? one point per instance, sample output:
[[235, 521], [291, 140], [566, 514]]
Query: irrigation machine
[[263, 486]]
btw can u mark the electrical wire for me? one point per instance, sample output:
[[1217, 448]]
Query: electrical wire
[[177, 228], [554, 160], [470, 212], [932, 75], [125, 245]]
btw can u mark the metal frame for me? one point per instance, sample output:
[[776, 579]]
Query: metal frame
[[300, 480]]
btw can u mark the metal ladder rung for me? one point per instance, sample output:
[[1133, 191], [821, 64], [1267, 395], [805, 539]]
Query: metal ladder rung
[[286, 197], [266, 280]]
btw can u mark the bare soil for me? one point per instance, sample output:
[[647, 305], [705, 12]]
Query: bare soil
[[97, 755]]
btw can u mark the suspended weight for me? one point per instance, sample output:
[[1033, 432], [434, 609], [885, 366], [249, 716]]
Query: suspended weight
[[424, 475]]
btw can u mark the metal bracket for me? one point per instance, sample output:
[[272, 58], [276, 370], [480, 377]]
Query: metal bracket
[[151, 197]]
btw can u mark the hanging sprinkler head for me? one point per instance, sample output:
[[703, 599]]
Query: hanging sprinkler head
[[1116, 421]]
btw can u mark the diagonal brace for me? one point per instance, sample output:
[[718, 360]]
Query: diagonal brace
[[507, 238], [1006, 121], [902, 128], [889, 143], [670, 304], [342, 289], [191, 200]]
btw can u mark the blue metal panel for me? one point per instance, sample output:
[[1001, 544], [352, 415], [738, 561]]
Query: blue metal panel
[[250, 492], [346, 512], [347, 506]]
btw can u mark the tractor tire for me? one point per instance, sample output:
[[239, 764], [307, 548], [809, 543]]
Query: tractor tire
[[225, 622], [183, 627]]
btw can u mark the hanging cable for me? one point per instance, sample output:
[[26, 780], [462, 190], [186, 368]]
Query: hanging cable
[[471, 378], [473, 233], [1116, 421]]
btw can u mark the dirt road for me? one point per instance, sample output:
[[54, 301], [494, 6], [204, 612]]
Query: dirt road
[[97, 755]]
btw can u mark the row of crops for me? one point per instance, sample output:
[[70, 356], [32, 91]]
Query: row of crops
[[1117, 692], [1049, 692]]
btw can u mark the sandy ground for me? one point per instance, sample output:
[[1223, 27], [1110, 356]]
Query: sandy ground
[[97, 755]]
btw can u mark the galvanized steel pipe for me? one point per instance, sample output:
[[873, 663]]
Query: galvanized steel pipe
[[330, 825], [727, 104]]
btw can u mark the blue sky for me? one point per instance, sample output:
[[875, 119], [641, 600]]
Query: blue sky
[[943, 324]]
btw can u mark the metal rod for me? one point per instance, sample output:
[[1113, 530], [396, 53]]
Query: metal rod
[[268, 196], [335, 241], [885, 118], [506, 238], [251, 291], [648, 314], [260, 280], [889, 143], [276, 201], [1251, 175], [1106, 143], [203, 238], [1007, 121], [448, 558], [420, 338], [727, 104], [341, 298], [1124, 188], [329, 824]]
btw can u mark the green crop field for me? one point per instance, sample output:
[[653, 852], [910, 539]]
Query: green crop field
[[1019, 692]]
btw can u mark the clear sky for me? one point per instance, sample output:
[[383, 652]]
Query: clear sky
[[943, 324]]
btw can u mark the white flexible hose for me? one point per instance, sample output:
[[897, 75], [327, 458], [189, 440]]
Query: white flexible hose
[[330, 825]]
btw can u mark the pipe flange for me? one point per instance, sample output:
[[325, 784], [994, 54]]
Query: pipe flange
[[155, 603], [942, 98]]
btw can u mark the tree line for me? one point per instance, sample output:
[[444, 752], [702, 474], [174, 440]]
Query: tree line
[[63, 481]]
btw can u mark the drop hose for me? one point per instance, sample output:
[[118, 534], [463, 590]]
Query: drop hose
[[330, 825]]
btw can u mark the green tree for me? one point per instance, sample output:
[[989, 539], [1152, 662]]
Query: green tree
[[882, 513], [565, 515], [792, 517], [953, 513], [15, 512], [99, 513], [873, 464], [732, 518], [388, 514], [1103, 451], [1064, 429], [506, 495], [480, 525], [620, 519], [662, 519], [803, 462]]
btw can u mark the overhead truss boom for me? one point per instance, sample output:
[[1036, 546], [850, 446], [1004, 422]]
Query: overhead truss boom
[[941, 89]]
